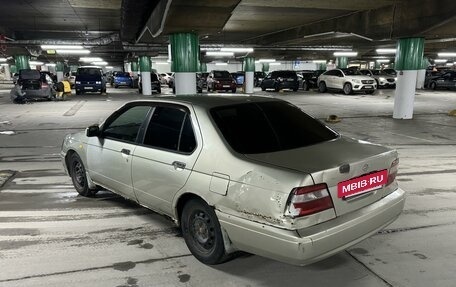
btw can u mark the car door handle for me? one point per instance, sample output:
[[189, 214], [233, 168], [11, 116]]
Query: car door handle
[[178, 165], [125, 151]]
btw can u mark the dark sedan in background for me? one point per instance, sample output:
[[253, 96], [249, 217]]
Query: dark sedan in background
[[220, 80], [279, 80], [443, 81]]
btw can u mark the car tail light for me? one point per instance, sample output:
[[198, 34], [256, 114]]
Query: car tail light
[[308, 200], [393, 171], [44, 85]]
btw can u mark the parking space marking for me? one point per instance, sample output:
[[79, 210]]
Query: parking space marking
[[74, 109]]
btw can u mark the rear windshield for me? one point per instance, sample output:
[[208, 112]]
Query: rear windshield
[[89, 71], [122, 74], [263, 127], [286, 74], [222, 74], [351, 72], [379, 72], [29, 74]]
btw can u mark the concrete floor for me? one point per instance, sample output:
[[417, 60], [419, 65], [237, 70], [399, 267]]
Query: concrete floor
[[50, 236]]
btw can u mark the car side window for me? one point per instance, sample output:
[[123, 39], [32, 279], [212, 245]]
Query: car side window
[[125, 127], [170, 128]]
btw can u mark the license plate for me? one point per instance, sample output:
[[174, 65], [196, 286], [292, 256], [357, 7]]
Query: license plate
[[88, 88], [123, 83], [290, 80], [362, 184], [368, 87], [226, 86]]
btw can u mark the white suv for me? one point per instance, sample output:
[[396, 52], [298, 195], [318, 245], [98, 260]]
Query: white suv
[[347, 80]]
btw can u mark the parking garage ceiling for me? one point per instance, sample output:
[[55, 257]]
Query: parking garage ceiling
[[293, 29]]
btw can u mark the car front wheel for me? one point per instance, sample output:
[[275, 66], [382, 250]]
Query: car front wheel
[[322, 87], [348, 89], [202, 233], [433, 86], [79, 177], [305, 86]]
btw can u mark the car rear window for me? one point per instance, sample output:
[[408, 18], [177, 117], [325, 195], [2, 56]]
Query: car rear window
[[262, 127], [222, 74], [29, 74], [89, 71], [122, 74], [286, 74]]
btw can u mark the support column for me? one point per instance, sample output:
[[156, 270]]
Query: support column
[[185, 56], [342, 62], [59, 68], [145, 67], [7, 71], [134, 69], [22, 62], [377, 65], [322, 66], [409, 57], [265, 67], [249, 69], [421, 75], [203, 67]]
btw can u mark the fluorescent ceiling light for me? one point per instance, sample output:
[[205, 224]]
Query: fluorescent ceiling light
[[275, 64], [50, 64], [3, 59], [161, 63], [345, 54], [447, 54], [61, 47], [100, 63], [36, 63], [266, 60], [221, 64], [4, 64], [383, 61], [440, 60], [319, 61], [450, 64], [386, 51], [90, 59], [76, 52], [109, 67], [218, 53], [236, 50]]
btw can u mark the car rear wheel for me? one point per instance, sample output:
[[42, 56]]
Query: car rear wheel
[[378, 85], [202, 233], [305, 86], [433, 86], [263, 88], [159, 90], [276, 88], [79, 177], [322, 87], [233, 91], [348, 89]]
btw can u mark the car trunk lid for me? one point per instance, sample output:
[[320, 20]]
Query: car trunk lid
[[335, 162]]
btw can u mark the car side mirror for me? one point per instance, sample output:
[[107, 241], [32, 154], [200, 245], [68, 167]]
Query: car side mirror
[[93, 131]]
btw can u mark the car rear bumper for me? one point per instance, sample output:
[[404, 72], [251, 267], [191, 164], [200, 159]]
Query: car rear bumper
[[32, 94], [302, 247], [89, 88]]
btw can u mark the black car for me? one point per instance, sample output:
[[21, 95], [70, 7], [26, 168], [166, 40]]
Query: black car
[[391, 72], [258, 78], [36, 85], [154, 81], [447, 81], [221, 80], [279, 80]]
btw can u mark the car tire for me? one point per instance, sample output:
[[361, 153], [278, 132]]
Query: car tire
[[305, 86], [348, 90], [79, 177], [433, 86], [369, 92], [116, 86], [276, 88], [295, 89], [233, 91], [378, 85], [322, 87], [78, 92], [199, 91], [263, 88], [202, 233]]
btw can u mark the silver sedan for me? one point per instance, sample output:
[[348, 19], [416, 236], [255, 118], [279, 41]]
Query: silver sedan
[[254, 174]]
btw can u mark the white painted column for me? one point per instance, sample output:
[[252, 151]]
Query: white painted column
[[420, 77], [405, 94], [59, 76], [146, 84], [249, 82], [185, 83], [7, 72]]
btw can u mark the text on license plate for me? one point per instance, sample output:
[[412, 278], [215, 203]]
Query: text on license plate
[[362, 184], [226, 86], [88, 88], [368, 87]]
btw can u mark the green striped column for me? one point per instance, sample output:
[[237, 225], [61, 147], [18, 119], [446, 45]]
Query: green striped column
[[265, 67], [59, 68], [377, 65], [13, 69], [322, 66], [185, 58], [145, 67], [249, 69], [409, 59], [342, 62], [22, 62], [203, 67]]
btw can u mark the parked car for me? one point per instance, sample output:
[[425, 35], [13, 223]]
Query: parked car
[[311, 81], [90, 79], [154, 81], [36, 85], [166, 77], [51, 75], [303, 79], [71, 77], [389, 71], [239, 77], [279, 80], [382, 79], [347, 80], [447, 81], [122, 79], [220, 80], [283, 185], [204, 76], [258, 78]]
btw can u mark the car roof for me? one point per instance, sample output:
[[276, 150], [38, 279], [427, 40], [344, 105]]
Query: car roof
[[212, 101]]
